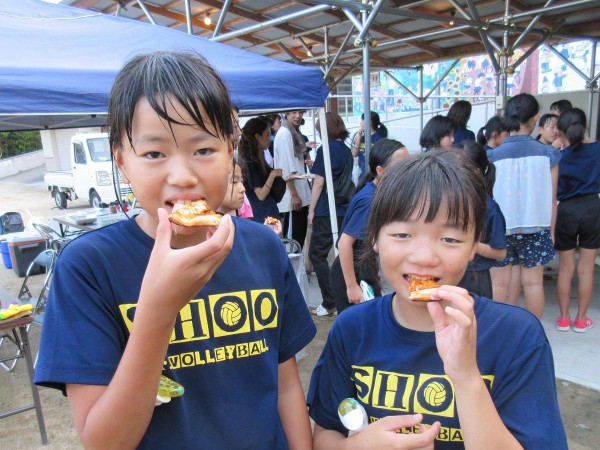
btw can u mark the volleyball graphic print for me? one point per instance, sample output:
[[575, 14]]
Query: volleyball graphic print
[[231, 313], [435, 393]]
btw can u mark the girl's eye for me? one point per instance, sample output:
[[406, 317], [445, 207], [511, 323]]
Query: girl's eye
[[153, 155], [450, 240], [204, 151], [402, 235]]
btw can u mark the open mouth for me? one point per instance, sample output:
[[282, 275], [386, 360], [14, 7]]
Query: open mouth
[[409, 277]]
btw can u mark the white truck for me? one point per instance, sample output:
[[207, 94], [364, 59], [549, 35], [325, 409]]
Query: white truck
[[91, 176]]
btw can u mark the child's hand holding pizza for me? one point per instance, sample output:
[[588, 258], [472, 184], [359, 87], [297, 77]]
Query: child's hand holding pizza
[[174, 276], [456, 331]]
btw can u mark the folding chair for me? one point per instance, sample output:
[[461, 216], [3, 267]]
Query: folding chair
[[292, 246], [46, 259], [53, 238]]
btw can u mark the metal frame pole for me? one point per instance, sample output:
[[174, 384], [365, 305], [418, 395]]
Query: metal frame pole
[[146, 12], [272, 22], [366, 92], [188, 17], [592, 85], [530, 26], [221, 19]]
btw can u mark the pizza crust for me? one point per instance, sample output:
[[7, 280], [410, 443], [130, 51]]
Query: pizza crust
[[194, 214]]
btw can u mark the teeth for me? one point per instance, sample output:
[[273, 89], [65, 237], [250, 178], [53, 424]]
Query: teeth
[[180, 204]]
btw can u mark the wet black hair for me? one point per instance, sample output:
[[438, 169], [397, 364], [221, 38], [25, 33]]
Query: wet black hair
[[460, 113], [434, 130], [478, 155], [376, 124], [573, 124], [520, 109], [165, 77], [496, 124], [380, 155], [561, 105], [422, 184]]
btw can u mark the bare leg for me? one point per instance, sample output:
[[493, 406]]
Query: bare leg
[[533, 286], [585, 272], [566, 268], [500, 282], [514, 288]]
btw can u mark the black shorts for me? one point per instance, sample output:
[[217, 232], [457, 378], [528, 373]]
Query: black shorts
[[578, 223]]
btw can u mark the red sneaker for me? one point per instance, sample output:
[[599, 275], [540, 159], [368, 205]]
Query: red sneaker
[[582, 325], [563, 324]]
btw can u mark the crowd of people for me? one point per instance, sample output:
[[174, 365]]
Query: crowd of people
[[219, 309]]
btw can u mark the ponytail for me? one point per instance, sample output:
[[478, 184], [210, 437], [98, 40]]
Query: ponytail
[[482, 139], [519, 110], [380, 155], [376, 124], [478, 157], [573, 124]]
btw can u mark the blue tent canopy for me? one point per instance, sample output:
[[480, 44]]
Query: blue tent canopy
[[58, 63]]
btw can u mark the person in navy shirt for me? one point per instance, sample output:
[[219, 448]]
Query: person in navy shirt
[[460, 113], [143, 298], [459, 372], [378, 131], [438, 132], [492, 246], [493, 133], [578, 218], [318, 212], [347, 270]]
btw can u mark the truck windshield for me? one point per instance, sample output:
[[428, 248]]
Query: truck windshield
[[99, 149]]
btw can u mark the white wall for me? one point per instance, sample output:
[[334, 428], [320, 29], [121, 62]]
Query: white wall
[[20, 163]]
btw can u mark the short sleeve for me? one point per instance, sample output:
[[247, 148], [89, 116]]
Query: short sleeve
[[554, 154], [318, 167], [330, 383], [357, 217], [496, 229], [283, 153]]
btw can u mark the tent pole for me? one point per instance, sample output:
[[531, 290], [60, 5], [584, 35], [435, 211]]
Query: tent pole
[[328, 177]]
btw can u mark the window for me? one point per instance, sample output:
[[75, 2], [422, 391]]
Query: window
[[79, 153]]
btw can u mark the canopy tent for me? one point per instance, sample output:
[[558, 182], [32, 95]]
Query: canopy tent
[[58, 63]]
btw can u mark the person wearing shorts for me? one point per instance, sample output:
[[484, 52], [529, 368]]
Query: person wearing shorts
[[578, 218]]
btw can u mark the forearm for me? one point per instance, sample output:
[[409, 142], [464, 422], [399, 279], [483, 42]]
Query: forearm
[[329, 439], [126, 405], [345, 245], [492, 253], [291, 406], [315, 194], [554, 174], [481, 424]]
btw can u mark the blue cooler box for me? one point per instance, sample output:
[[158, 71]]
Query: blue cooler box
[[24, 247], [5, 253]]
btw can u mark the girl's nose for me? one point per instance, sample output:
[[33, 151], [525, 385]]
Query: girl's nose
[[424, 255], [182, 174]]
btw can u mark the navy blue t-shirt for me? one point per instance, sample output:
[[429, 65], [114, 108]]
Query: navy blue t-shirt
[[579, 171], [494, 234], [340, 156], [357, 215], [462, 134], [361, 150], [393, 370], [253, 179], [226, 344]]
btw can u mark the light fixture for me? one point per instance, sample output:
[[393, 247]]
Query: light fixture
[[207, 19], [452, 13], [309, 51]]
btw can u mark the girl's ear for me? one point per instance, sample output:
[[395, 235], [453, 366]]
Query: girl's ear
[[118, 156], [376, 247], [379, 171]]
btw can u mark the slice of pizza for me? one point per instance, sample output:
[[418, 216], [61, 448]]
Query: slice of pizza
[[421, 288], [271, 220], [194, 214]]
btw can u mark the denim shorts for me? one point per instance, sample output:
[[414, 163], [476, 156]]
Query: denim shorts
[[529, 250]]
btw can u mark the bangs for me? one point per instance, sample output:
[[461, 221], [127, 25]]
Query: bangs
[[423, 186], [167, 78], [426, 189]]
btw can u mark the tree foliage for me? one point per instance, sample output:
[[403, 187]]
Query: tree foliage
[[14, 143]]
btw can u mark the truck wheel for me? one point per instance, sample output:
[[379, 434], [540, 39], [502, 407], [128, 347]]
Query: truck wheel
[[95, 199], [60, 198]]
